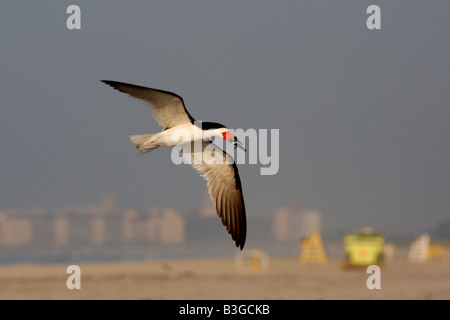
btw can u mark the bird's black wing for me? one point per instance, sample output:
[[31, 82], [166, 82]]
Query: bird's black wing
[[166, 107], [225, 189]]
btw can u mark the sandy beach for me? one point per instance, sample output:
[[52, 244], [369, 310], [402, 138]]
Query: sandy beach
[[218, 278]]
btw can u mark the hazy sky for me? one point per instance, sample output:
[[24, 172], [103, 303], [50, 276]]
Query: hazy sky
[[364, 115]]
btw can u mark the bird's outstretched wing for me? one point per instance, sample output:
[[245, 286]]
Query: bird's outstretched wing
[[224, 187], [166, 107]]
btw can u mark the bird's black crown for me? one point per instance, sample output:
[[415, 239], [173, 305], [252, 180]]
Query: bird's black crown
[[211, 125]]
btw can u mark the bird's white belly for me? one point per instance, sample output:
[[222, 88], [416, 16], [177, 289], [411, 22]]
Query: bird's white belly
[[179, 134]]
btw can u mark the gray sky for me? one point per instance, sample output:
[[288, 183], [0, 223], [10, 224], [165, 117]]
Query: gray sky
[[364, 115]]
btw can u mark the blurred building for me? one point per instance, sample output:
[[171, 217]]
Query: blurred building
[[291, 223], [172, 227], [281, 224], [310, 221], [15, 232], [103, 230], [95, 226]]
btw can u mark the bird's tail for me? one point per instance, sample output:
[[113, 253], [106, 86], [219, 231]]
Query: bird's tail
[[144, 142]]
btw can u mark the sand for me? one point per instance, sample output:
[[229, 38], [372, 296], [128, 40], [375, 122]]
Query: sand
[[214, 279]]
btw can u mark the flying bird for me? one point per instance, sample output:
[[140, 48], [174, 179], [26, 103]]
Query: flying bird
[[223, 181]]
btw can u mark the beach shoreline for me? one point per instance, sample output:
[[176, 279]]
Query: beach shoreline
[[219, 279]]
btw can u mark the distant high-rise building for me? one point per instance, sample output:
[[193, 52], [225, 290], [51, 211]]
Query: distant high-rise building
[[98, 230], [165, 228], [83, 229], [281, 228], [128, 225], [153, 225], [309, 222], [172, 227], [291, 224], [15, 231], [61, 226]]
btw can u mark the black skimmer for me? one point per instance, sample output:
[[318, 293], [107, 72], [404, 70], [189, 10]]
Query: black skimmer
[[222, 178]]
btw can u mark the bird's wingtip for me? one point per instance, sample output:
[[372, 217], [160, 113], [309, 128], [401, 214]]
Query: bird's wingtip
[[114, 84]]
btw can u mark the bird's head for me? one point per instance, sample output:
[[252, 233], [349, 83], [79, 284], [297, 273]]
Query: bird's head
[[218, 130]]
